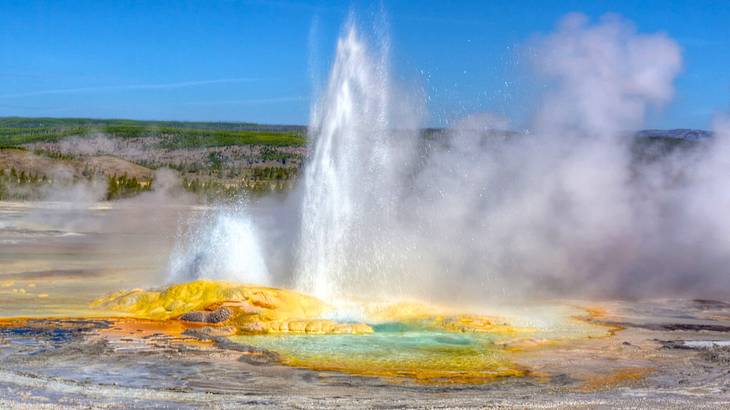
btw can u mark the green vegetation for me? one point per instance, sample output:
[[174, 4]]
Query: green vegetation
[[54, 154], [20, 185], [124, 187], [16, 131], [213, 190], [272, 154], [174, 138], [273, 173], [254, 180], [13, 137]]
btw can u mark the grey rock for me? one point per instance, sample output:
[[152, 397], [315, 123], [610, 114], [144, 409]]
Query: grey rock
[[216, 316]]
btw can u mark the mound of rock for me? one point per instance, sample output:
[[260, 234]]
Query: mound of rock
[[248, 309]]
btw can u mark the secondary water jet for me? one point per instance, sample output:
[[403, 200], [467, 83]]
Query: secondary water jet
[[223, 244]]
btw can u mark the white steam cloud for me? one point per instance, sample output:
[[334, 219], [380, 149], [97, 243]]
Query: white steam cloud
[[604, 76]]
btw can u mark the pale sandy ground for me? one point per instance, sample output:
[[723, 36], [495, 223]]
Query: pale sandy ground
[[86, 364]]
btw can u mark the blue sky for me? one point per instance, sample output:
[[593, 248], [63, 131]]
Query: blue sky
[[258, 61]]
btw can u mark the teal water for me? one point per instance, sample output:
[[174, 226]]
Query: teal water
[[394, 349]]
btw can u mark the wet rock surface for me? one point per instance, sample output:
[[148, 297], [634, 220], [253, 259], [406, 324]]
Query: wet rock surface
[[694, 327]]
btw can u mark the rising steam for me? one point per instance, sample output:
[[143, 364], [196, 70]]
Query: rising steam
[[566, 209], [558, 210]]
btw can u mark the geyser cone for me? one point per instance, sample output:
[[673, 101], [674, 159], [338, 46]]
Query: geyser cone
[[349, 182]]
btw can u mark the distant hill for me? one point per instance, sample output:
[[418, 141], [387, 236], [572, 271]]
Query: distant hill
[[213, 159], [680, 133]]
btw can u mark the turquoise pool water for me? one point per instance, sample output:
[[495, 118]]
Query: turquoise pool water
[[394, 350]]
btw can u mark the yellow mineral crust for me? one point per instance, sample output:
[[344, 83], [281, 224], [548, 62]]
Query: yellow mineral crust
[[442, 318], [403, 311], [476, 323], [255, 309], [304, 326]]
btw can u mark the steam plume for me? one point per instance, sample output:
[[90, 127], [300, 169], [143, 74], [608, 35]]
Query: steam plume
[[568, 209]]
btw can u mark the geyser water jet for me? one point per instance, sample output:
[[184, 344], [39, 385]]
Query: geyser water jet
[[350, 181]]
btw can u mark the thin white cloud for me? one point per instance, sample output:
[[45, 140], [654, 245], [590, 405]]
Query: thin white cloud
[[181, 84], [273, 100]]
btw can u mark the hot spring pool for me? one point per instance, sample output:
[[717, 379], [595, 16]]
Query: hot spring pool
[[395, 350]]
